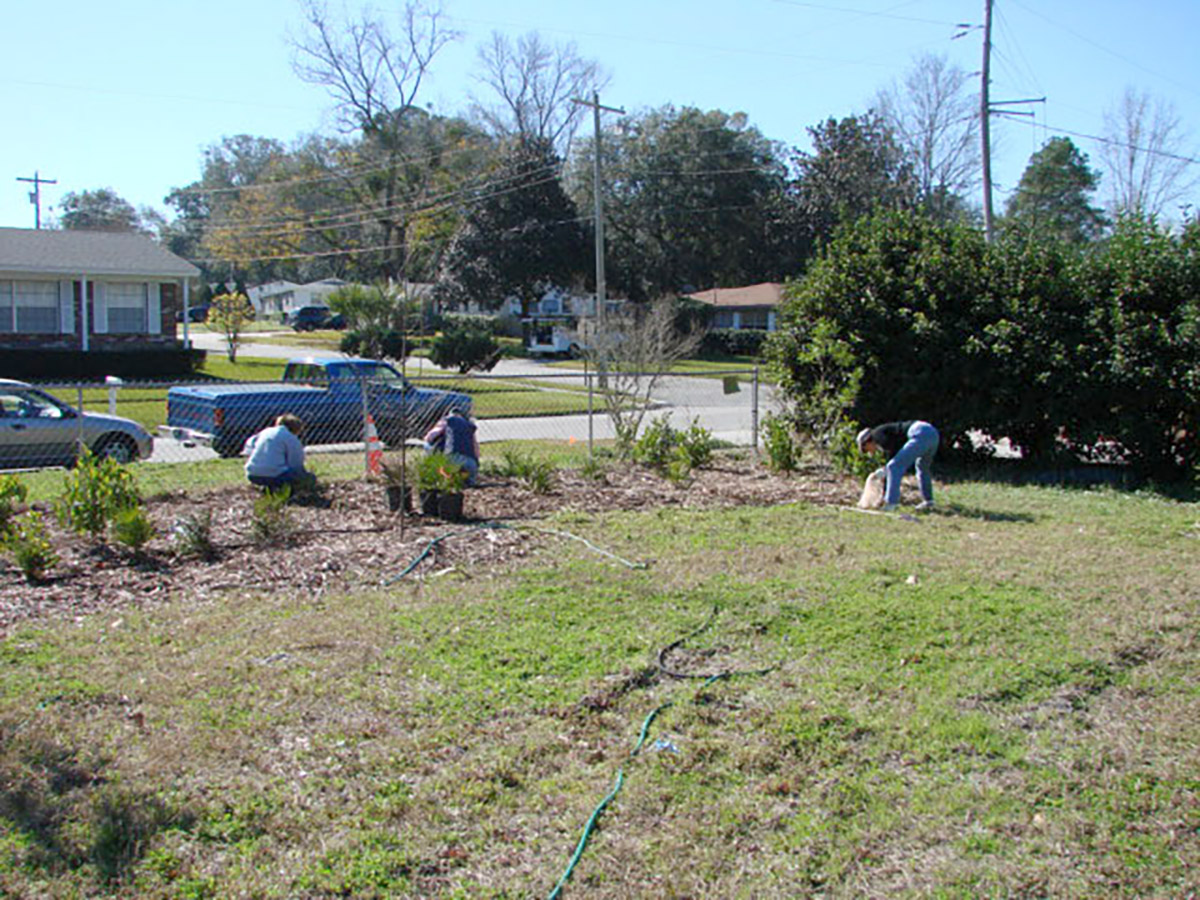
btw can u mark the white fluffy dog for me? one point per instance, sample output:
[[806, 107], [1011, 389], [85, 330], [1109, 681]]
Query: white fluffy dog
[[873, 490]]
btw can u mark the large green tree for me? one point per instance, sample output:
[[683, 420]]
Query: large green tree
[[520, 233], [102, 209], [691, 200], [855, 167], [1052, 198]]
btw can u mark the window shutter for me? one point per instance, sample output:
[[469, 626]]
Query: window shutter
[[154, 308], [99, 309], [66, 307]]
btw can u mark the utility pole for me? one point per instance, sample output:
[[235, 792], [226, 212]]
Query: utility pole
[[985, 115], [601, 291], [987, 109], [35, 196]]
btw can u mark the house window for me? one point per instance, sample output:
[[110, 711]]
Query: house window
[[126, 304], [29, 307], [723, 318], [754, 318]]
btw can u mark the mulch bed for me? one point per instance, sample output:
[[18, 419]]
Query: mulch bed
[[349, 540]]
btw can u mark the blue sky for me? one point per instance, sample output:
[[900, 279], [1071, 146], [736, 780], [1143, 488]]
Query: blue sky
[[127, 94]]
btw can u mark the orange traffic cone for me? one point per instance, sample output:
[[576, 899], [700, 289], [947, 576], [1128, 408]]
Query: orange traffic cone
[[374, 449]]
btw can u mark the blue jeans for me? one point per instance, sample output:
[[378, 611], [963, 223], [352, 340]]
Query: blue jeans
[[470, 463], [919, 449]]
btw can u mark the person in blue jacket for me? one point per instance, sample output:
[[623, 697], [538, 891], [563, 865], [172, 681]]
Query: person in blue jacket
[[276, 455], [455, 435], [905, 444]]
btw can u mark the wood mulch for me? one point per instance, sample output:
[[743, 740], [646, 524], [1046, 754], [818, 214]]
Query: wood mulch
[[347, 539]]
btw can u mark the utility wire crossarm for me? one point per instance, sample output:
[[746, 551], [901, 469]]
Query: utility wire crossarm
[[35, 196]]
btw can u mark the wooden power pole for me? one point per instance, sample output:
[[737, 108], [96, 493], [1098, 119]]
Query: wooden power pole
[[35, 196]]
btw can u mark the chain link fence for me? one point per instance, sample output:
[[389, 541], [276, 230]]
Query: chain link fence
[[43, 426]]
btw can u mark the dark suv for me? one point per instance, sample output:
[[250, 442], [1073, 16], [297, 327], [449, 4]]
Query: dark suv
[[310, 318]]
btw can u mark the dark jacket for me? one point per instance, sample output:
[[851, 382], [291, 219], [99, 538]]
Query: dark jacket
[[891, 437]]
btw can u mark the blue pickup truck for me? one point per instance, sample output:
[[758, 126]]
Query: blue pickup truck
[[328, 394]]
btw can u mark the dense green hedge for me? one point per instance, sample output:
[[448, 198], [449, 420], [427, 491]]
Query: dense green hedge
[[69, 365], [733, 342], [1093, 351]]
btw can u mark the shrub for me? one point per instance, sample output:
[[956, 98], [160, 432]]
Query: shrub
[[654, 446], [31, 550], [844, 453], [733, 342], [94, 492], [132, 527], [437, 472], [192, 536], [12, 492], [465, 347], [671, 452], [271, 523], [783, 454]]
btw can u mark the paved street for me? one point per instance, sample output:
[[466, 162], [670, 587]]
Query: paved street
[[729, 417]]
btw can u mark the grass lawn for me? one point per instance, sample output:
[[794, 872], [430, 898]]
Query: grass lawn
[[1000, 699]]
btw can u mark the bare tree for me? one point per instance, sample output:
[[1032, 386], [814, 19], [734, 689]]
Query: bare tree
[[632, 352], [373, 74], [935, 121], [533, 83], [1145, 153]]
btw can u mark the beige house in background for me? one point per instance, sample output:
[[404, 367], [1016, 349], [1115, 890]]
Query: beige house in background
[[754, 307]]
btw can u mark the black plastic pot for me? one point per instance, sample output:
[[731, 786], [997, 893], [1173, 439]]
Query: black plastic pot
[[398, 498], [429, 503], [450, 506]]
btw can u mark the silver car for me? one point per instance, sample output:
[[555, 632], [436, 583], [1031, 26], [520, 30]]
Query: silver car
[[37, 429]]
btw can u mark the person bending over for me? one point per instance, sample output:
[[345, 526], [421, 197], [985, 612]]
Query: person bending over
[[455, 435], [905, 444], [276, 455]]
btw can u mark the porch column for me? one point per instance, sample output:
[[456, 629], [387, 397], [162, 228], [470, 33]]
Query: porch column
[[85, 320], [187, 341]]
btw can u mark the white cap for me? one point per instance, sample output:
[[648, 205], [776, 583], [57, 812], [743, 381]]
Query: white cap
[[861, 440]]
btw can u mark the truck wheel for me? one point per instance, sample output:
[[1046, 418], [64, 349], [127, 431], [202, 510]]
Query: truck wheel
[[575, 351], [116, 447]]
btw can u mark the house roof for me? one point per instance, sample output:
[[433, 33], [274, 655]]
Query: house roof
[[767, 294], [53, 252]]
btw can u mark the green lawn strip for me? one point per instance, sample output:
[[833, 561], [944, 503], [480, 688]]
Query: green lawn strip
[[960, 709]]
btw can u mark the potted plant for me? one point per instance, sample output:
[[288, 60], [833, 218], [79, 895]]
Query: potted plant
[[394, 485], [440, 482]]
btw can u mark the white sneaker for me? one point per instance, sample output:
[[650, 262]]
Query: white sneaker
[[924, 505], [888, 507]]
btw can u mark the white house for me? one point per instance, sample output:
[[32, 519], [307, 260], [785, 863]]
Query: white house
[[277, 298]]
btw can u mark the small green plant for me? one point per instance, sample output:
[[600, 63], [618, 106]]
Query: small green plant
[[271, 523], [844, 453], [94, 492], [437, 472], [783, 453], [31, 550], [536, 475], [132, 527], [594, 469], [674, 453], [653, 448], [12, 492], [679, 468], [192, 536], [698, 444]]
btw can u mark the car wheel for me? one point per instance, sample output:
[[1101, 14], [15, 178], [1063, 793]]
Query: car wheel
[[116, 447]]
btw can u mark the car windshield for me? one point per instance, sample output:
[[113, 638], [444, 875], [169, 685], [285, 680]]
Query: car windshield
[[383, 376], [26, 403]]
